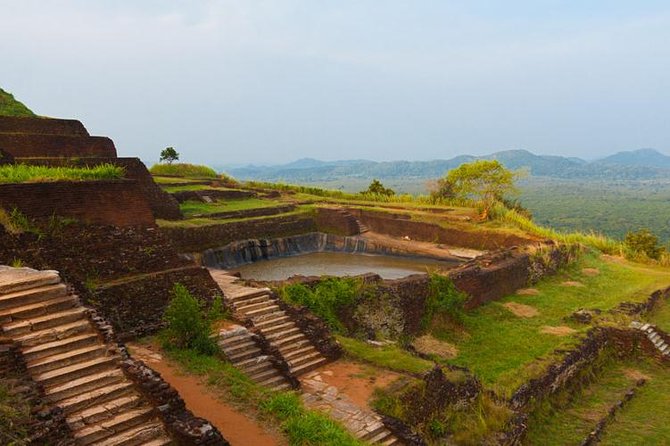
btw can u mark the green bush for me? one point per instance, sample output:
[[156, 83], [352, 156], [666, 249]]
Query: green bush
[[644, 242], [23, 173], [327, 300], [183, 170], [187, 325], [11, 107], [443, 299]]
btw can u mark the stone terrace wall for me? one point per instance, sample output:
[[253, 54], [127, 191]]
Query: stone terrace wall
[[200, 238], [112, 202], [135, 307], [30, 145], [334, 221], [400, 226], [42, 126], [162, 203]]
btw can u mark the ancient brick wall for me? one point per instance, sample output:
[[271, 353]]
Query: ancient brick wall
[[135, 307], [42, 126], [333, 221], [35, 145], [162, 203], [401, 226], [113, 202], [200, 238]]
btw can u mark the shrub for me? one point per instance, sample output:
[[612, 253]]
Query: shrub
[[187, 325], [183, 170], [644, 242], [443, 299]]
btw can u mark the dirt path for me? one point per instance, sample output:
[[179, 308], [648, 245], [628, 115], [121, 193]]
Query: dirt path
[[237, 428]]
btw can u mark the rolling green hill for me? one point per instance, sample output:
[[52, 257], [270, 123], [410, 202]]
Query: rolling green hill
[[11, 107]]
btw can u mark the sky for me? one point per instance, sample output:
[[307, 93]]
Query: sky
[[261, 81]]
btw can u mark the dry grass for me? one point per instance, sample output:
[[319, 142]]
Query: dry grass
[[521, 310], [429, 345]]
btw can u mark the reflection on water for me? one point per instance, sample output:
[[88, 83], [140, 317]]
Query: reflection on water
[[339, 264]]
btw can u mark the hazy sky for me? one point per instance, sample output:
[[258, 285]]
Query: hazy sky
[[236, 81]]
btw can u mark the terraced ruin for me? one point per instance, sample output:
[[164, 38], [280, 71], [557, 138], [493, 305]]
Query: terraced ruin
[[506, 337]]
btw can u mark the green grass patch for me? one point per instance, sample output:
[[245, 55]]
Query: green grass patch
[[9, 106], [13, 413], [183, 170], [389, 357], [22, 173], [302, 426], [190, 208], [505, 350], [204, 221], [174, 180]]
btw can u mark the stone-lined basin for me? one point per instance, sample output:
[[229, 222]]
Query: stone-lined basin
[[339, 264]]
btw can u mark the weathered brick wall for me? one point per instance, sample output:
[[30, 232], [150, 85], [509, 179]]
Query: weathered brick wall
[[135, 307], [42, 126], [333, 221], [113, 202], [35, 145], [162, 203], [401, 226], [198, 239]]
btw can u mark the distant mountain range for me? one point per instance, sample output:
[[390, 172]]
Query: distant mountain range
[[640, 164]]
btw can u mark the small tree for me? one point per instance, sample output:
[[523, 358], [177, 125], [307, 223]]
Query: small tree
[[644, 241], [169, 154], [483, 180], [377, 188], [187, 326]]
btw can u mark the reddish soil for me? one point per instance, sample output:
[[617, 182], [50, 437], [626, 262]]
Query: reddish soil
[[237, 428], [357, 381]]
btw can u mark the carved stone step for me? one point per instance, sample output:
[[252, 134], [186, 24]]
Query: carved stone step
[[75, 371], [271, 319], [60, 346], [261, 311], [95, 397], [264, 374], [298, 360], [15, 329], [84, 384], [101, 412], [308, 366], [247, 354], [271, 328], [32, 295], [276, 336], [113, 426], [150, 433], [13, 280], [254, 300], [248, 294], [37, 309], [68, 358], [297, 353], [54, 333]]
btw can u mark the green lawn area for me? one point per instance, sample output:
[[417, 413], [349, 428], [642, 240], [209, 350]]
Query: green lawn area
[[9, 106], [661, 316], [173, 180], [389, 357], [641, 422], [505, 350], [23, 173], [190, 208], [203, 221]]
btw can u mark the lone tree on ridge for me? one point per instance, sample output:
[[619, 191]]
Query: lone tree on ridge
[[170, 155], [377, 188]]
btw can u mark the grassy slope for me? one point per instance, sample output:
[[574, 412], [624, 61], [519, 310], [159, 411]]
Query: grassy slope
[[190, 208], [661, 316], [504, 350], [11, 107], [22, 173]]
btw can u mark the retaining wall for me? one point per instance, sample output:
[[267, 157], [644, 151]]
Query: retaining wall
[[42, 126], [35, 145]]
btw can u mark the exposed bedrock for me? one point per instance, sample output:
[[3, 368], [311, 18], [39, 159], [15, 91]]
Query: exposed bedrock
[[248, 251]]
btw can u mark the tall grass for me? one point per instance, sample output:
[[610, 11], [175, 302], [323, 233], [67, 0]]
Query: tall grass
[[11, 107], [23, 173], [183, 170]]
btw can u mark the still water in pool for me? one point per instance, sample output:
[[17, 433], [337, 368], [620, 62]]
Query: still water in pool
[[339, 264]]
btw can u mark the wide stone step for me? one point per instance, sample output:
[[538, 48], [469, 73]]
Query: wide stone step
[[271, 328], [113, 426], [15, 314], [84, 384], [252, 367], [102, 412], [43, 322], [150, 433], [254, 300], [384, 435], [68, 358], [95, 397], [247, 354], [59, 346], [283, 334], [233, 340], [252, 314], [271, 319], [308, 366], [245, 309], [251, 362], [297, 353], [372, 430], [281, 386], [273, 381], [76, 371], [297, 340], [14, 281], [301, 359], [32, 295], [264, 374], [240, 347], [249, 293], [54, 333]]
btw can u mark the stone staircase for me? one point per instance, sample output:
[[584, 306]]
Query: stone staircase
[[78, 371], [652, 334], [258, 306], [241, 349]]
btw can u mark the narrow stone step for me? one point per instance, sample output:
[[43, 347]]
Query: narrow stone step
[[271, 319], [372, 431], [54, 333], [264, 374], [12, 281], [254, 367], [251, 293], [68, 358], [271, 382], [294, 354], [252, 301], [15, 314], [390, 441], [104, 411], [60, 346], [150, 433], [240, 347], [113, 426], [381, 436], [95, 397], [32, 295], [245, 309], [296, 361], [247, 354], [233, 340], [283, 334], [644, 327], [271, 328], [282, 386], [43, 322], [75, 371], [261, 311], [297, 340], [87, 383], [308, 366], [252, 362]]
